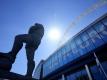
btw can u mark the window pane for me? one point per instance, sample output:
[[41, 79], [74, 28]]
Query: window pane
[[44, 70], [67, 47], [63, 49], [91, 32], [105, 21], [60, 58], [84, 36], [74, 47], [49, 65], [97, 40], [99, 27], [64, 55], [78, 40], [75, 53], [73, 44], [89, 45], [82, 49], [103, 35], [70, 56], [54, 61]]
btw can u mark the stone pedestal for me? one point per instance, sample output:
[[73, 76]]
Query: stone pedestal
[[13, 76], [5, 63]]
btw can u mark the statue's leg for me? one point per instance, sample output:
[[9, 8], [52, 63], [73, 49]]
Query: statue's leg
[[31, 63], [18, 43]]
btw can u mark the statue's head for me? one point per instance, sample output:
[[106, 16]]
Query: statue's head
[[37, 28]]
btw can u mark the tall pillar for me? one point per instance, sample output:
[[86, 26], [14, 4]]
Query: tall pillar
[[63, 77], [88, 72]]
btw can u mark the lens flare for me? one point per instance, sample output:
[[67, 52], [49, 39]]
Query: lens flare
[[54, 34]]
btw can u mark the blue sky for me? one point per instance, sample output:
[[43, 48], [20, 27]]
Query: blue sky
[[16, 16]]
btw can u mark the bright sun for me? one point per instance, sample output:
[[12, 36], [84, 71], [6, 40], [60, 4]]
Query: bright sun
[[54, 34]]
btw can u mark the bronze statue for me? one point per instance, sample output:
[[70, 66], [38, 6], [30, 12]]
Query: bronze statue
[[32, 40]]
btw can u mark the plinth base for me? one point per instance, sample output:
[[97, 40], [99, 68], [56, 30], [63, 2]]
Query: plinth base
[[13, 76]]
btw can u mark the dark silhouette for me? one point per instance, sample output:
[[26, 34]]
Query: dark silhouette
[[32, 40]]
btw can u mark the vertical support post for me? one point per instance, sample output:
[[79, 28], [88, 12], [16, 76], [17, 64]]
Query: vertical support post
[[88, 72], [100, 66], [63, 77]]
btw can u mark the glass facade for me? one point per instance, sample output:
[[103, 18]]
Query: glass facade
[[105, 21], [54, 62], [80, 45], [60, 62], [88, 40], [102, 30], [94, 36]]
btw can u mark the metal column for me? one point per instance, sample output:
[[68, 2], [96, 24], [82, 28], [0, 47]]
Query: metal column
[[100, 66], [63, 77], [88, 72]]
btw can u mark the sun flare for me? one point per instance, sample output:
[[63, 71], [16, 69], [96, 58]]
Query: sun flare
[[54, 34]]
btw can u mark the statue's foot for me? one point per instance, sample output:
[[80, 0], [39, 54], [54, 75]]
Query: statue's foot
[[8, 56]]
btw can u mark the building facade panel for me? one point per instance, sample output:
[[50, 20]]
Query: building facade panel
[[59, 54], [105, 21], [80, 45], [89, 45], [95, 37]]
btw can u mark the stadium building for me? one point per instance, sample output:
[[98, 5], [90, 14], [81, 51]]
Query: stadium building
[[83, 57]]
